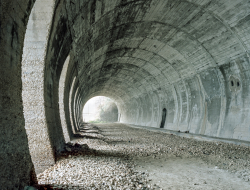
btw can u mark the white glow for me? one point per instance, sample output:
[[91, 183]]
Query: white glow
[[91, 110]]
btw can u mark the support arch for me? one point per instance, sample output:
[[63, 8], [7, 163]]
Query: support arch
[[33, 65]]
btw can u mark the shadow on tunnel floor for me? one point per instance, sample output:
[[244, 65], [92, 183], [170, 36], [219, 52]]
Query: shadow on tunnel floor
[[83, 150], [80, 136]]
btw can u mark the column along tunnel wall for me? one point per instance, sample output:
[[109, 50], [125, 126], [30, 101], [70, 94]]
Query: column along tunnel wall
[[16, 166], [181, 56], [33, 61], [189, 57]]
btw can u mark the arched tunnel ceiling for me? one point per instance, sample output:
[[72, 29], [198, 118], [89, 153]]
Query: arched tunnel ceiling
[[128, 48], [185, 59]]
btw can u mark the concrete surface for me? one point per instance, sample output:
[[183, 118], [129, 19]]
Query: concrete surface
[[15, 162], [190, 57], [33, 61]]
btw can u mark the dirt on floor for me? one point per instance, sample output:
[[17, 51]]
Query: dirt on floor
[[117, 156]]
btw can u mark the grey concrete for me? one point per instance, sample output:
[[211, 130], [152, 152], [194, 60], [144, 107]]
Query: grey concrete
[[33, 61], [62, 92], [190, 57], [69, 83], [194, 136], [15, 162], [178, 55]]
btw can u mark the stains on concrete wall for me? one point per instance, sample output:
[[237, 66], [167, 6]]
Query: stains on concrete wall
[[235, 111], [59, 44], [189, 57], [132, 50], [15, 160]]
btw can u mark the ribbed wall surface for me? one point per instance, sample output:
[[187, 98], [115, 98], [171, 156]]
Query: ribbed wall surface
[[190, 57]]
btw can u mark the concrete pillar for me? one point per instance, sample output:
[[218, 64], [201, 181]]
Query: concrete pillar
[[33, 65], [15, 162]]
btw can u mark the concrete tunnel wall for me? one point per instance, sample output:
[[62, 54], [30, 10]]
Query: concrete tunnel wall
[[188, 56], [178, 55], [15, 162], [146, 60]]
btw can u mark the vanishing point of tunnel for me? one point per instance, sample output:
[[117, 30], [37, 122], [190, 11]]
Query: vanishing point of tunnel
[[180, 67]]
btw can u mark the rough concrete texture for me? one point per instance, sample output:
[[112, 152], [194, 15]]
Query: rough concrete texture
[[62, 92], [15, 162], [56, 53], [34, 53], [190, 57], [69, 79]]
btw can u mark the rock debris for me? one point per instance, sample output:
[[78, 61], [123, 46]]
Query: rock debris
[[105, 160]]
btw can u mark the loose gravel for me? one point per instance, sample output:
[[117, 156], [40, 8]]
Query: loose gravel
[[112, 156]]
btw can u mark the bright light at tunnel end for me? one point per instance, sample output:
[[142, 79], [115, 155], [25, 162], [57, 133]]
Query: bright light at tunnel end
[[100, 109]]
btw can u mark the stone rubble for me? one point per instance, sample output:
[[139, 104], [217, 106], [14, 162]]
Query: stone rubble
[[105, 161]]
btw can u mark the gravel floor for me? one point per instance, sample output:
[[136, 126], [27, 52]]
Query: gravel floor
[[116, 156]]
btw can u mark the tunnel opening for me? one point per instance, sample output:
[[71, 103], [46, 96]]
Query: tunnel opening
[[144, 55], [163, 120], [100, 109]]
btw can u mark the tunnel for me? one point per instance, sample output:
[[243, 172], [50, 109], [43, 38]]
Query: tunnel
[[175, 65]]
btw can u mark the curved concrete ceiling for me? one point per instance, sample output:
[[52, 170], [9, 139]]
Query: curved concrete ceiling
[[155, 54], [173, 40], [187, 57]]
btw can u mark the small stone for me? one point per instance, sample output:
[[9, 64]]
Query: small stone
[[68, 149]]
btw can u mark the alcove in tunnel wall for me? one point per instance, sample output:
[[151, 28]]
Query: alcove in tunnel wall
[[147, 55], [164, 54], [73, 103], [71, 95], [69, 83], [75, 111], [59, 44], [62, 100]]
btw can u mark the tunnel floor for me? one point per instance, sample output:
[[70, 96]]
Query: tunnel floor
[[117, 156]]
